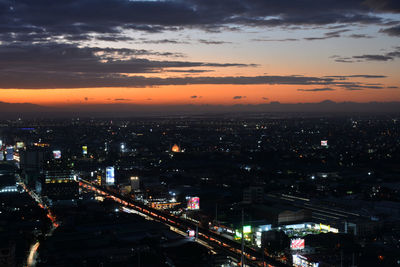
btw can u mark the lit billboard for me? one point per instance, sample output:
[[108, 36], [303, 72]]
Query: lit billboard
[[20, 145], [110, 177], [57, 154], [193, 203], [324, 142], [9, 153], [246, 229], [191, 233], [297, 243], [84, 150]]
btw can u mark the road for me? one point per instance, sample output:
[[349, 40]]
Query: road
[[31, 260], [232, 248]]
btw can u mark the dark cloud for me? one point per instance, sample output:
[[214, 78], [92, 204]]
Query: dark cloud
[[328, 35], [53, 65], [76, 19], [316, 90], [276, 40], [346, 60], [374, 57], [212, 42], [193, 96], [68, 66], [163, 41], [111, 37], [358, 86], [392, 6], [50, 62], [367, 76], [264, 98], [392, 31], [369, 57], [189, 71], [34, 80], [237, 97], [360, 36], [122, 99], [392, 87]]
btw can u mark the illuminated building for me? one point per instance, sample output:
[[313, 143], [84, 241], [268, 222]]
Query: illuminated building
[[135, 183], [303, 261], [56, 154], [164, 205], [84, 150], [9, 153], [175, 148], [247, 231], [60, 185], [20, 145], [7, 178]]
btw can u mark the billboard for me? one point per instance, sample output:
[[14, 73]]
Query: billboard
[[9, 152], [193, 203], [57, 154], [20, 145], [84, 150], [246, 229], [297, 243], [191, 233], [302, 261], [110, 177], [324, 142]]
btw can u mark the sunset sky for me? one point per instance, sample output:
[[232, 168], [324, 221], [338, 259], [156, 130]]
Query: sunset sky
[[57, 53]]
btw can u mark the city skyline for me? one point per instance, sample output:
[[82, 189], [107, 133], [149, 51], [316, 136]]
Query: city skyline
[[177, 53]]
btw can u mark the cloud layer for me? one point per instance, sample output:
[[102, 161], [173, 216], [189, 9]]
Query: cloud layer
[[77, 19]]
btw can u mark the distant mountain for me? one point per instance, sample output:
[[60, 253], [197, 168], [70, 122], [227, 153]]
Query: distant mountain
[[131, 110], [21, 107]]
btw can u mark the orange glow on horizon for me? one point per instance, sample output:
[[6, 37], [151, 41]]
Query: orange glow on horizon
[[193, 94]]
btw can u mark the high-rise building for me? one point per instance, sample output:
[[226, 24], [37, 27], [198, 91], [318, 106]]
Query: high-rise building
[[253, 194], [135, 183], [60, 185], [31, 163], [32, 159]]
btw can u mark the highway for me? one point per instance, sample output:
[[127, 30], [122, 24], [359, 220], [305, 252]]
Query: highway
[[230, 247], [31, 260]]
